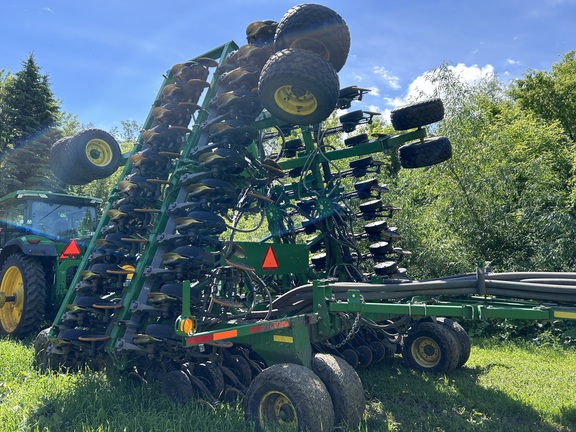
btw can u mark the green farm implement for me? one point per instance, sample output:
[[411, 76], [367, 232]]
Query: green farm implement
[[174, 287]]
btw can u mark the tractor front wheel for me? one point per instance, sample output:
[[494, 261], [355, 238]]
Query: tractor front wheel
[[23, 278]]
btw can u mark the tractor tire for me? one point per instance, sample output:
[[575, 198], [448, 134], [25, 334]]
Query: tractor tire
[[461, 337], [345, 388], [429, 152], [289, 397], [86, 156], [298, 87], [431, 347], [25, 278], [315, 28], [417, 114]]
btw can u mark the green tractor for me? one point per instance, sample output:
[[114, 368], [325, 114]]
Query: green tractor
[[42, 240]]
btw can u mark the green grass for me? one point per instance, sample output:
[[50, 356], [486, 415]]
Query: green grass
[[504, 387]]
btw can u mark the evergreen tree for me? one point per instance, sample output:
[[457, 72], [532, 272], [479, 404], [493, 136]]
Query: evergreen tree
[[29, 114]]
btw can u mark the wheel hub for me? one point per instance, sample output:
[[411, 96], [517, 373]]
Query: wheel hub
[[295, 100], [99, 152], [276, 408], [426, 352], [13, 289]]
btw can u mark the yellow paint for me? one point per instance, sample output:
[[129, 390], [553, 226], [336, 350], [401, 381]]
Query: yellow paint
[[286, 339], [561, 314]]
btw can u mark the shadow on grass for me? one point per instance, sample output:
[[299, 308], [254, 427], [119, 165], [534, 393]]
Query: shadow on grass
[[111, 401], [400, 399]]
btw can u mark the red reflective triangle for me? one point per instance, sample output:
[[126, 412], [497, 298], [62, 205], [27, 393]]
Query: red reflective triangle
[[270, 262], [72, 250]]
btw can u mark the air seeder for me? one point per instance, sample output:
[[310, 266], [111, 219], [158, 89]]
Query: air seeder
[[234, 149]]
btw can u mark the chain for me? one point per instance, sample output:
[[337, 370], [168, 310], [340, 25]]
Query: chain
[[353, 330]]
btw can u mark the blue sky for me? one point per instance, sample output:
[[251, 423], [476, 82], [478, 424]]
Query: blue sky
[[105, 59]]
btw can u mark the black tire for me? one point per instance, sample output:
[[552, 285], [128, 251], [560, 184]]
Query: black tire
[[176, 385], [298, 87], [344, 386], [86, 156], [41, 359], [429, 152], [417, 114], [58, 160], [431, 347], [24, 277], [289, 395], [461, 337], [315, 28]]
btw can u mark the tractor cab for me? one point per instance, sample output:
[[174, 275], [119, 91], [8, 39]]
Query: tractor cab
[[59, 217]]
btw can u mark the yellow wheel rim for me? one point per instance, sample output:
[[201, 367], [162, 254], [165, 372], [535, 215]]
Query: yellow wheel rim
[[276, 409], [12, 285], [311, 44], [99, 152], [295, 100], [426, 352]]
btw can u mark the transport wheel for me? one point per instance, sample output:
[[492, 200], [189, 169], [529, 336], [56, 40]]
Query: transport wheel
[[417, 114], [461, 337], [58, 160], [88, 155], [176, 385], [298, 87], [431, 347], [431, 151], [344, 386], [289, 397], [22, 277], [315, 28]]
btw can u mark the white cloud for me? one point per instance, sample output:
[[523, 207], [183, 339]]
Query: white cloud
[[392, 80], [422, 88], [512, 62], [374, 91], [471, 74]]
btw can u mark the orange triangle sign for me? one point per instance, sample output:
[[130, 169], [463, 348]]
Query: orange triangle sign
[[270, 262], [72, 250]]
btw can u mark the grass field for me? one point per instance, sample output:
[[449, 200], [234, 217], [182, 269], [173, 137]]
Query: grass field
[[504, 387]]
